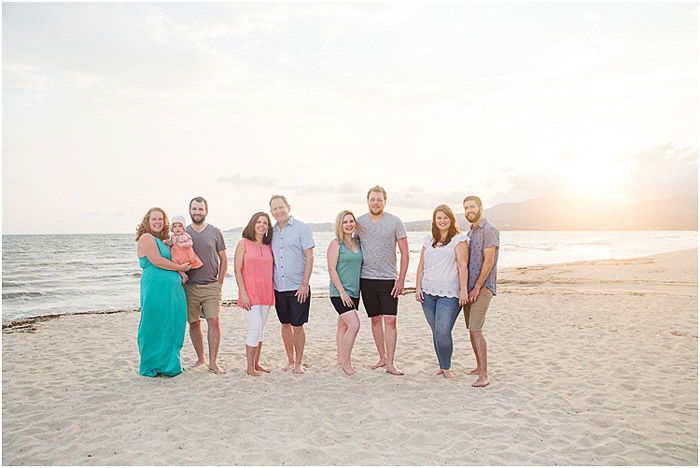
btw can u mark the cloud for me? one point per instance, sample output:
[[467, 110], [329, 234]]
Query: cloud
[[305, 189], [662, 171], [238, 179], [659, 172]]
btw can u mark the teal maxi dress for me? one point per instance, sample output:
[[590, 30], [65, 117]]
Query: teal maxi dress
[[163, 318]]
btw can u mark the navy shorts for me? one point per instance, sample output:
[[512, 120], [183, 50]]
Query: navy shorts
[[342, 308], [289, 310], [376, 294]]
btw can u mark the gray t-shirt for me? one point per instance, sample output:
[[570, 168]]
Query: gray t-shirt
[[379, 245], [207, 245]]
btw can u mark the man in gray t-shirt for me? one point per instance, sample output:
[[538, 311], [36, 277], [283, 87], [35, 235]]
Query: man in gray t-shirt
[[379, 284], [203, 288]]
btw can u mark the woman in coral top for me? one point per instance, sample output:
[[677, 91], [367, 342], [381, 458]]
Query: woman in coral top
[[253, 265]]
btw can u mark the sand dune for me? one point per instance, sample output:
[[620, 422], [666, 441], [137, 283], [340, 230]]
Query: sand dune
[[591, 363]]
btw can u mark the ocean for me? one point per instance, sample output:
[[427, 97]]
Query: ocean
[[58, 274]]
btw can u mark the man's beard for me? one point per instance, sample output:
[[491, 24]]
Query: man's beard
[[376, 212], [197, 217], [471, 217]]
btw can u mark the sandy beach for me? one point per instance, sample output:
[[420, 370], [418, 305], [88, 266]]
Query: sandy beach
[[591, 363]]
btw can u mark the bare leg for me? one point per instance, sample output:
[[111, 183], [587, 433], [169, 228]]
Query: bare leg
[[184, 277], [352, 326], [197, 342], [258, 367], [250, 359], [378, 335], [288, 339], [390, 334], [299, 341], [214, 337], [480, 351], [477, 369], [340, 333]]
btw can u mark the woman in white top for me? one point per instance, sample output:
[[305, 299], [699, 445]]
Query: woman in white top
[[441, 282]]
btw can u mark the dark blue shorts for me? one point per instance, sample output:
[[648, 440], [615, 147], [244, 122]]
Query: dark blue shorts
[[289, 310]]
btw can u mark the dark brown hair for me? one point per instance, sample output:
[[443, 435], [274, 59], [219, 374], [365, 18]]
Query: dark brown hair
[[200, 200], [249, 231], [451, 231], [145, 226]]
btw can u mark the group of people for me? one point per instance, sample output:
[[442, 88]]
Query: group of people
[[183, 274]]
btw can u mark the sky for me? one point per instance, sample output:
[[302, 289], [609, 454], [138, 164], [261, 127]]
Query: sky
[[109, 109]]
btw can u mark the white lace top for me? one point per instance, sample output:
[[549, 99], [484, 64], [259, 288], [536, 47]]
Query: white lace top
[[440, 273]]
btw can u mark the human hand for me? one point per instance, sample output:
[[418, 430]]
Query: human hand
[[184, 266], [302, 293], [463, 297], [244, 301], [398, 288], [419, 294], [345, 297], [474, 293]]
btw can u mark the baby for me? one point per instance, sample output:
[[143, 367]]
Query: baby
[[181, 247]]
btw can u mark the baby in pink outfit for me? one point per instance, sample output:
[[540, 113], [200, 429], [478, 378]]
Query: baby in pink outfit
[[181, 247]]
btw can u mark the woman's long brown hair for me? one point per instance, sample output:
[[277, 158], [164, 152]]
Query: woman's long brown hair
[[451, 231]]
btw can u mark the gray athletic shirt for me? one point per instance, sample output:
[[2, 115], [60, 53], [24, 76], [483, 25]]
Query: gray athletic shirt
[[379, 245], [207, 245]]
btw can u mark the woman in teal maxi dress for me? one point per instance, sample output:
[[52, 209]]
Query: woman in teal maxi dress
[[163, 317]]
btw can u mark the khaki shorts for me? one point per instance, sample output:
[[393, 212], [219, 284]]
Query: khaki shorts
[[475, 312], [203, 301]]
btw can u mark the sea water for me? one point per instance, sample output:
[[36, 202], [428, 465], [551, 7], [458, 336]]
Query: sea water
[[58, 274]]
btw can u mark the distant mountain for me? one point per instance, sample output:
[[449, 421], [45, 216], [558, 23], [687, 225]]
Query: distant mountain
[[678, 213]]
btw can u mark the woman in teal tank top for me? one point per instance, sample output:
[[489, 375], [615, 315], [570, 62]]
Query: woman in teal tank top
[[344, 257], [163, 305]]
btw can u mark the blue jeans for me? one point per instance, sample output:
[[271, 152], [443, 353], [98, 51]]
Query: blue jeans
[[441, 313]]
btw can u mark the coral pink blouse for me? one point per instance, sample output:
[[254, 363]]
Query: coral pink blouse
[[257, 273]]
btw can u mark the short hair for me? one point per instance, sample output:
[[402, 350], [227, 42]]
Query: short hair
[[249, 231], [377, 188], [473, 198], [339, 224], [281, 197], [199, 200]]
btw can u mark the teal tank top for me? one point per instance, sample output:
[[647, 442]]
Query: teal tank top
[[348, 268]]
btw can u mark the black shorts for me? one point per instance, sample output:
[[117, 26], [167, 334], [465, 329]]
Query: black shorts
[[342, 308], [376, 294], [289, 310]]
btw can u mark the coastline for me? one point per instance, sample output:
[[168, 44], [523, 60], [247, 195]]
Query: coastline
[[592, 363], [507, 280]]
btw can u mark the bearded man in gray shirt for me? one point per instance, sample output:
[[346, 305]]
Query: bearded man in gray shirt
[[379, 284]]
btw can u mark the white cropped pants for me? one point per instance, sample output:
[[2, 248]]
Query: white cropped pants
[[257, 317]]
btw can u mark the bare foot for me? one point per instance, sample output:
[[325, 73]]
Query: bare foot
[[262, 369], [298, 369], [288, 366], [199, 363], [439, 372], [252, 373], [348, 369], [476, 371], [448, 374], [482, 381], [380, 363], [216, 369], [393, 370]]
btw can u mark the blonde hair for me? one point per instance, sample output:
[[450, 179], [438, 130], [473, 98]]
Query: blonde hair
[[377, 188], [339, 224]]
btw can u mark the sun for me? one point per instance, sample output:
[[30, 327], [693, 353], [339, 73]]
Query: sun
[[593, 178]]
